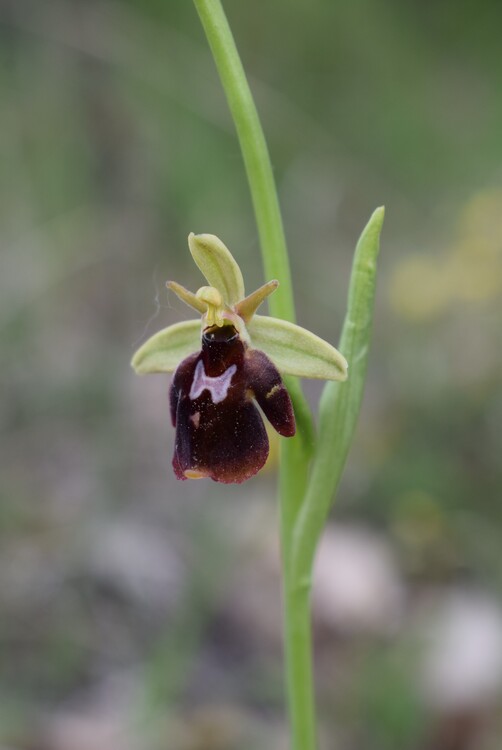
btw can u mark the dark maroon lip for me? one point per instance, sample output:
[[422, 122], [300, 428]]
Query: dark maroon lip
[[214, 397]]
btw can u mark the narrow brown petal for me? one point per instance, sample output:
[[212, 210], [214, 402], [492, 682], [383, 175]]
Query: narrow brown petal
[[270, 392]]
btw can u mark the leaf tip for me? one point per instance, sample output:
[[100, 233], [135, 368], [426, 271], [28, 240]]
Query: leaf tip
[[378, 216], [368, 245]]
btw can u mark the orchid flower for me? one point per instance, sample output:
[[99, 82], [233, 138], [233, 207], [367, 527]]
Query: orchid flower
[[226, 361]]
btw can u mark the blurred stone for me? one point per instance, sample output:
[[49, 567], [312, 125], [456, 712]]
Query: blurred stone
[[462, 666], [356, 586], [253, 603], [101, 718], [86, 732], [459, 730], [138, 561], [29, 576]]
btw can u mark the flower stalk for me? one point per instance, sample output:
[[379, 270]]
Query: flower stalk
[[294, 453], [310, 470], [302, 515]]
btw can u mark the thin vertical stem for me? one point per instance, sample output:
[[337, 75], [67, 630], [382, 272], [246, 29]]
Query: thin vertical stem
[[295, 452], [300, 678], [255, 154]]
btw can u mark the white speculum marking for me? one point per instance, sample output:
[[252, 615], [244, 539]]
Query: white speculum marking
[[217, 387]]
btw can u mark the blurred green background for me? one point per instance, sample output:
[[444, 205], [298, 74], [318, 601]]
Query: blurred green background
[[140, 613]]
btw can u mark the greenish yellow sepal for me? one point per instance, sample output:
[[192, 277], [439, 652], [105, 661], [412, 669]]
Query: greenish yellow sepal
[[247, 307], [296, 351], [166, 349], [218, 265], [189, 298]]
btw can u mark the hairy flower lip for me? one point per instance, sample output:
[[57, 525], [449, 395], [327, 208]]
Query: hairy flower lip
[[219, 431]]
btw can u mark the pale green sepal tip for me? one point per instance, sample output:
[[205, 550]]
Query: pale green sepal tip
[[218, 265], [166, 349], [296, 351]]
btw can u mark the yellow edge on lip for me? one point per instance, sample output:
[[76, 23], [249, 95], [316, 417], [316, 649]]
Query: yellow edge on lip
[[193, 474]]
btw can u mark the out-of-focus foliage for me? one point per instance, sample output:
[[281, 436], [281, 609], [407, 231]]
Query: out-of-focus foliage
[[468, 271], [136, 612]]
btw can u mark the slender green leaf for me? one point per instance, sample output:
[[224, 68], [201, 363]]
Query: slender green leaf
[[340, 402], [166, 349]]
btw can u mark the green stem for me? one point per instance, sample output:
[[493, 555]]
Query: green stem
[[255, 153], [299, 672], [295, 452]]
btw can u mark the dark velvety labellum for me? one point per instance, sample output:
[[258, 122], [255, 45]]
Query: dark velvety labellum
[[219, 431]]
